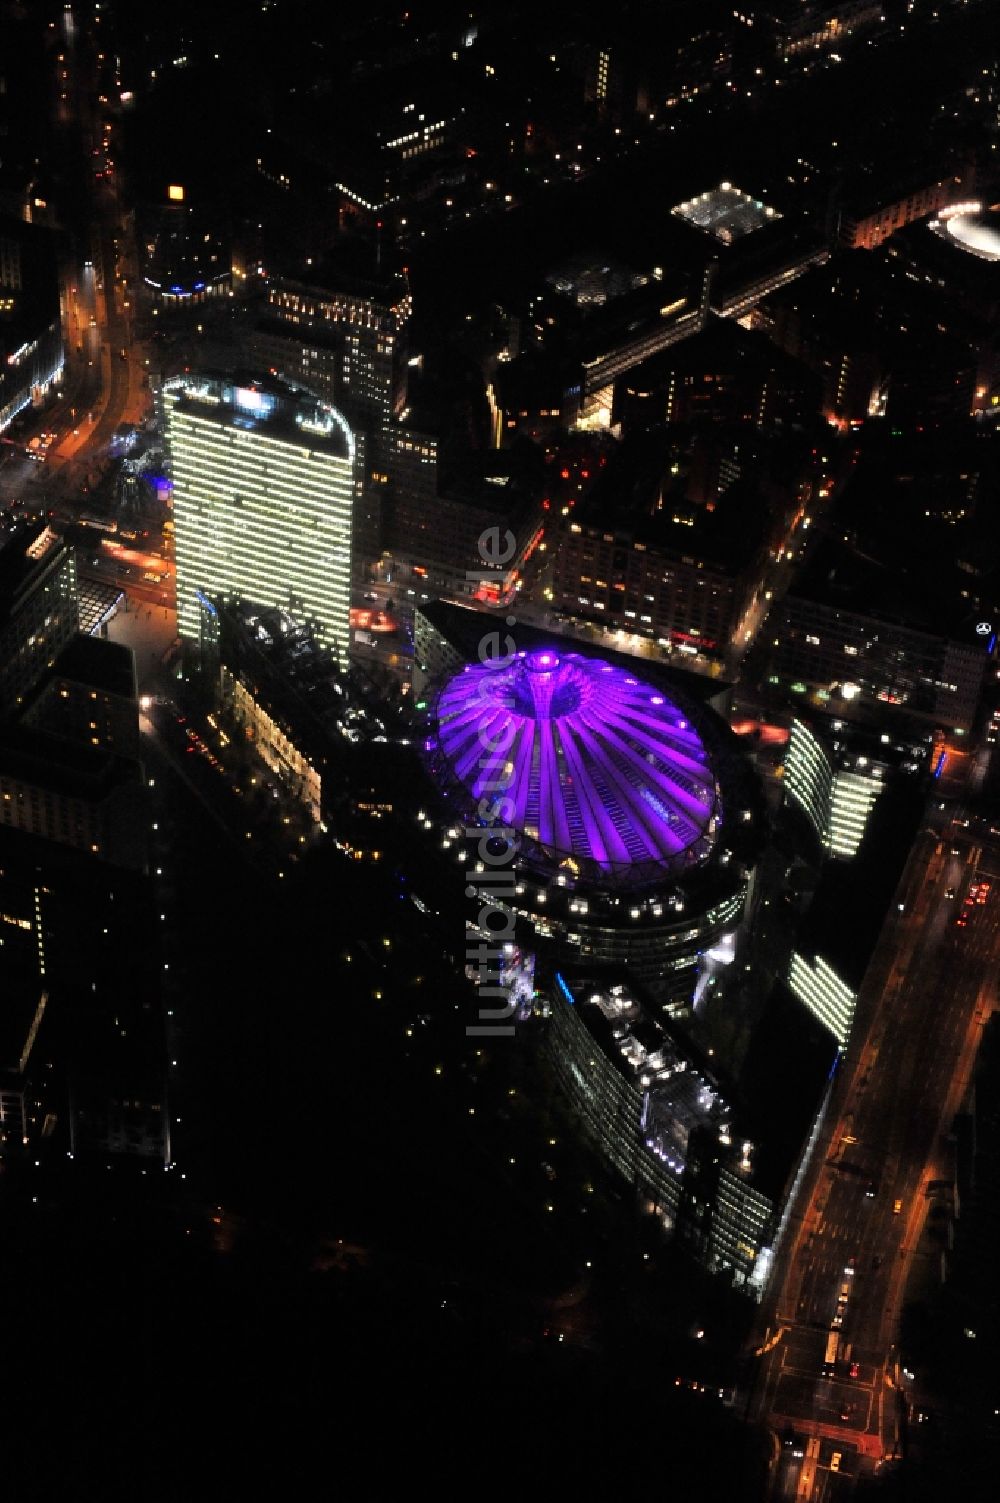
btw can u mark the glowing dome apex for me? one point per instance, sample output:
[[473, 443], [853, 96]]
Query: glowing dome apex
[[594, 770]]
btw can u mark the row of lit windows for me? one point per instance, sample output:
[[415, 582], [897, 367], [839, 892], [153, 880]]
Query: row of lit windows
[[251, 549], [828, 998]]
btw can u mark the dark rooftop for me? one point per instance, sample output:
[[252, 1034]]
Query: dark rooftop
[[98, 663], [67, 767], [27, 551], [637, 497]]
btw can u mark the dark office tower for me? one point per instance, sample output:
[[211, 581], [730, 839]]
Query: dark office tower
[[81, 1025], [39, 611], [24, 988], [344, 338], [25, 123], [186, 255], [89, 696], [10, 264], [31, 351]]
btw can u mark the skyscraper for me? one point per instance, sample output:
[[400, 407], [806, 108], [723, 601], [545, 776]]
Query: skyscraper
[[39, 611], [264, 491], [31, 350], [346, 341]]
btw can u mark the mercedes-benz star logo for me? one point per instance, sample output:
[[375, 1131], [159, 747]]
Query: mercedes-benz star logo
[[983, 628]]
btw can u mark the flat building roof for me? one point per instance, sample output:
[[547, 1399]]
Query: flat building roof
[[726, 212]]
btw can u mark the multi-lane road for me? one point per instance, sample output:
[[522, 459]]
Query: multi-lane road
[[827, 1380], [105, 375]]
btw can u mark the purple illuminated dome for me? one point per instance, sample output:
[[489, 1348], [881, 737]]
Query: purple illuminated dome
[[597, 772]]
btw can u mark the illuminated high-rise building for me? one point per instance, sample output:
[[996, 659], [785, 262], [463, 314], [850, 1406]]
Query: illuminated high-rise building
[[264, 492], [345, 341]]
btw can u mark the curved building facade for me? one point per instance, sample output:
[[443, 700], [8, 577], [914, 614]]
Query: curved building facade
[[660, 1119], [263, 497], [627, 818]]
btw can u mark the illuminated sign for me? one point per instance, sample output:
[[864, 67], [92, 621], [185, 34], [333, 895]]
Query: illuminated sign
[[565, 990], [249, 399], [175, 193]]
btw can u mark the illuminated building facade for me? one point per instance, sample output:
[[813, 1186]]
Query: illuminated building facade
[[282, 692], [803, 30], [868, 227], [264, 496], [430, 542], [809, 777], [653, 591], [862, 665], [346, 342], [659, 1119], [276, 749], [836, 801], [818, 987], [641, 556]]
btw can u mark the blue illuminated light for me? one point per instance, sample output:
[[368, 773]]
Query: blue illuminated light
[[565, 990]]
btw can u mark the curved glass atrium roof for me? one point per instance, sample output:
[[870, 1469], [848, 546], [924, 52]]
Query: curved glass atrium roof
[[976, 230], [595, 770]]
